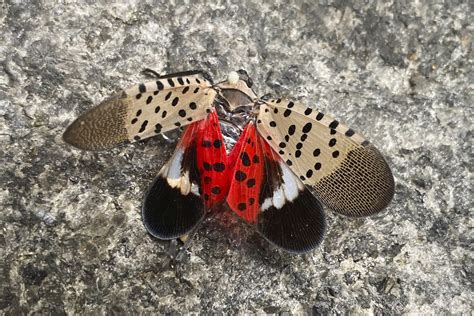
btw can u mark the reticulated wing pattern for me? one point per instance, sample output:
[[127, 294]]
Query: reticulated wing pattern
[[347, 173], [142, 111]]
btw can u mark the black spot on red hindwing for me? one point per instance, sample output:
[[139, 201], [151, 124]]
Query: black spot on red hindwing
[[250, 183], [242, 206], [217, 143], [240, 175], [216, 190], [255, 159], [207, 166], [245, 159], [219, 167]]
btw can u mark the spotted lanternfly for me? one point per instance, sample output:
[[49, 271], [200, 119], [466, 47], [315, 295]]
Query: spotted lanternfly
[[289, 159]]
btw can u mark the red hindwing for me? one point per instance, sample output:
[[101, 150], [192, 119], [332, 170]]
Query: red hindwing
[[212, 161], [246, 160]]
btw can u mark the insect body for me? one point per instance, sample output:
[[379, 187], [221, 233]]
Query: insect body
[[289, 159]]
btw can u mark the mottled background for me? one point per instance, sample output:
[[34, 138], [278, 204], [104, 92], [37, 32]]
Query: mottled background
[[71, 237]]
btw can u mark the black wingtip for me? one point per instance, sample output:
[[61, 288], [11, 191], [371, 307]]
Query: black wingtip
[[297, 227], [167, 213]]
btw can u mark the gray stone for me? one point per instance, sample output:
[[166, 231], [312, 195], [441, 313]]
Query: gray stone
[[71, 236]]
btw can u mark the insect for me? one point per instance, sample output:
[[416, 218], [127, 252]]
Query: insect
[[288, 161]]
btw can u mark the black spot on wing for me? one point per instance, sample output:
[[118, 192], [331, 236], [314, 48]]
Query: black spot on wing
[[245, 159], [219, 166]]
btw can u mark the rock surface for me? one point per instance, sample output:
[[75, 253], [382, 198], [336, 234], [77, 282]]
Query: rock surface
[[71, 236]]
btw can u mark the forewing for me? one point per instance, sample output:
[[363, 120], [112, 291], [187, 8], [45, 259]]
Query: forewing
[[265, 193], [345, 171], [142, 111]]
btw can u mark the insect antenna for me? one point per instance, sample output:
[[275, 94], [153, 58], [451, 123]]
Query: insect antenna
[[150, 73]]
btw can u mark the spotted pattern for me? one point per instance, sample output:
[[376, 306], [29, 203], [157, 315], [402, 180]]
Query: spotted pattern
[[316, 147], [167, 102], [246, 157], [212, 161]]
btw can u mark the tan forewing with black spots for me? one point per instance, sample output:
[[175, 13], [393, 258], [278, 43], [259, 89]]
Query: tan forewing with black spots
[[347, 173], [143, 111]]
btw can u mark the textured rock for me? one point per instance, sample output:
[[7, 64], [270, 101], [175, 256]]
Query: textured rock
[[71, 236]]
